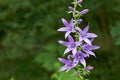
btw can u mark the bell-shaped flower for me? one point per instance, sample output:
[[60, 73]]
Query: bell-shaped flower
[[69, 27], [69, 64], [88, 49], [84, 35], [79, 57], [71, 45]]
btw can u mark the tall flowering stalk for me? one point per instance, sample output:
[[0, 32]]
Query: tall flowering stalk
[[79, 44]]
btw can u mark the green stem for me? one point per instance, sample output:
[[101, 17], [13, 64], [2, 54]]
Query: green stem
[[76, 17]]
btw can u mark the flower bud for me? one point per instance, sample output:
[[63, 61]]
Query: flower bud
[[71, 8], [79, 21], [89, 68], [79, 1], [83, 11]]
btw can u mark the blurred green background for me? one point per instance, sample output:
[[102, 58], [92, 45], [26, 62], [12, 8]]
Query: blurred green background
[[28, 39]]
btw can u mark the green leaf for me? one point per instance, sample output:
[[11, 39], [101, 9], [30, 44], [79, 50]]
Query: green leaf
[[61, 49], [64, 75], [48, 60], [115, 31], [50, 47], [117, 41]]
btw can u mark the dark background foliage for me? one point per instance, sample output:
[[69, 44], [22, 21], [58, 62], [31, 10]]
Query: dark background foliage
[[28, 39]]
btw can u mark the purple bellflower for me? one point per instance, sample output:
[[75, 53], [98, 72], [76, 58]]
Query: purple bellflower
[[69, 27], [79, 44], [84, 35], [69, 64], [87, 48], [71, 45], [80, 57]]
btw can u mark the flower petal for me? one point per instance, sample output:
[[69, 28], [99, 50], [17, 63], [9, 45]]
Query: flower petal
[[71, 40], [78, 43], [82, 61], [71, 23], [95, 47], [91, 35], [66, 34], [63, 60], [79, 29], [63, 68], [67, 50], [84, 55], [80, 39], [65, 22], [74, 51], [62, 29], [86, 29], [87, 41], [90, 53], [63, 43], [69, 56]]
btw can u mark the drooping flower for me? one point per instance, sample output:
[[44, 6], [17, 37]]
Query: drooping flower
[[80, 57], [71, 45], [89, 68], [69, 27], [88, 49], [83, 11], [69, 64], [84, 35]]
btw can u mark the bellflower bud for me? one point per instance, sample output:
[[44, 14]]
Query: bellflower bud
[[89, 68], [79, 1], [71, 8], [79, 21], [83, 11]]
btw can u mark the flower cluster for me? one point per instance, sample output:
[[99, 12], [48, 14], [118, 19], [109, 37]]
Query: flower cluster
[[80, 41]]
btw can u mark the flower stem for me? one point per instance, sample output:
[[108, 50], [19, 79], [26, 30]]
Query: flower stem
[[76, 17]]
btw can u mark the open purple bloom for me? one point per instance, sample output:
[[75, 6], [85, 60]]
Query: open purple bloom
[[79, 1], [84, 35], [89, 68], [80, 57], [83, 11], [69, 27], [71, 45], [69, 64], [87, 48]]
